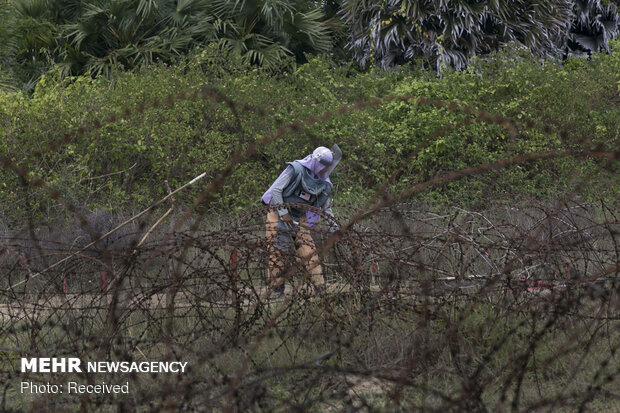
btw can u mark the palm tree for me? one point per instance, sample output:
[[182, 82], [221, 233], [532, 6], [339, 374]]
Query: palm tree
[[26, 37], [593, 25], [109, 34], [8, 46], [265, 31], [448, 33], [99, 36]]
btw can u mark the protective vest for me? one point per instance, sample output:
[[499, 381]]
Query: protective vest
[[304, 189]]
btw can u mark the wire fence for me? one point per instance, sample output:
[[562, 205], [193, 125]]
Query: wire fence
[[511, 308]]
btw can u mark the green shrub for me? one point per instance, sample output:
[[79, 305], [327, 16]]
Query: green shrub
[[123, 164]]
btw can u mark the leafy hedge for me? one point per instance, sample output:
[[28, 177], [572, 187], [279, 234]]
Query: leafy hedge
[[124, 164]]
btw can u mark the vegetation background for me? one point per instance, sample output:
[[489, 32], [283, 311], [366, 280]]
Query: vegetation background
[[66, 64], [411, 91]]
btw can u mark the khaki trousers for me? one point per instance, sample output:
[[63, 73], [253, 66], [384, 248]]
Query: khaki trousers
[[306, 255]]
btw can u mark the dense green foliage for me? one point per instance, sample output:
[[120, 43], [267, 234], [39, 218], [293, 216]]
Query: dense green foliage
[[102, 36], [594, 24], [450, 33], [124, 163], [442, 34]]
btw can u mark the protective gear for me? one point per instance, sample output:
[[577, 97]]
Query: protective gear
[[305, 189], [278, 241], [323, 155], [336, 157], [313, 164], [305, 181]]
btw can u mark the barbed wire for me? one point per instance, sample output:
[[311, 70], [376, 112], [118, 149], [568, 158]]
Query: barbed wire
[[451, 310]]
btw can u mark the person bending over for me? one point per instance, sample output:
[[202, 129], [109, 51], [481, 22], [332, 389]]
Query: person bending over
[[305, 182]]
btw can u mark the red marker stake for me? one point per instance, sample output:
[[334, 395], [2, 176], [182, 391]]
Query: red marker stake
[[233, 260], [104, 280]]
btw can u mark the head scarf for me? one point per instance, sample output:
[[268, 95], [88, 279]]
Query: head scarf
[[315, 162]]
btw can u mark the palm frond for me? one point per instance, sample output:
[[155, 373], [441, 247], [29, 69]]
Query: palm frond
[[147, 8], [449, 33], [274, 12], [309, 25], [7, 80], [31, 8]]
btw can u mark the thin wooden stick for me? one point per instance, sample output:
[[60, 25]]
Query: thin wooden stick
[[171, 194], [107, 175], [146, 235], [160, 220]]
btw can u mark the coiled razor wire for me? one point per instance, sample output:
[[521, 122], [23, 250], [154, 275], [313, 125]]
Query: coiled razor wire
[[421, 276], [512, 308]]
